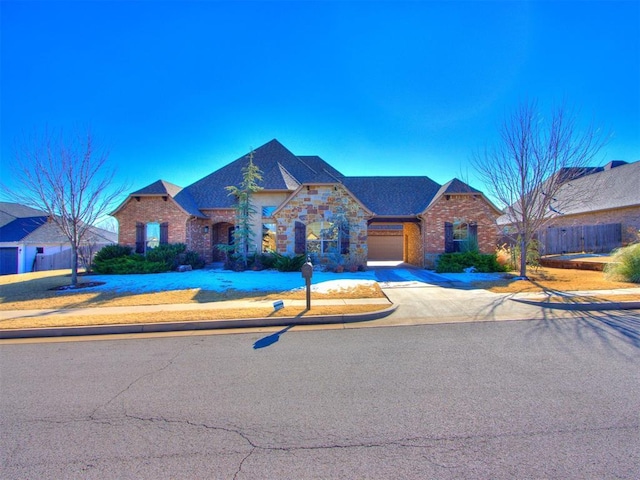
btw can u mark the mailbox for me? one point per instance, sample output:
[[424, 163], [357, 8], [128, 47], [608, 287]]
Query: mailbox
[[307, 273]]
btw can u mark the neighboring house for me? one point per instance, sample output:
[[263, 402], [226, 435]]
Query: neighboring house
[[28, 240], [597, 209], [308, 207]]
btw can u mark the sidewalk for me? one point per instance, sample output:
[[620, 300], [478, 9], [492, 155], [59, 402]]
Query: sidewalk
[[408, 303]]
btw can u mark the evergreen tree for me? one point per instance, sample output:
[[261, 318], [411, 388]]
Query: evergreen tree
[[244, 234]]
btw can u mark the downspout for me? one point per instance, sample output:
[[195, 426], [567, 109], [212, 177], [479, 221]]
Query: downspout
[[422, 239]]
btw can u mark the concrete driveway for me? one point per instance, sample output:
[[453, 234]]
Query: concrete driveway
[[425, 297]]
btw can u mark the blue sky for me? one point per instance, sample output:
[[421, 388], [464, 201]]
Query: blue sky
[[178, 89]]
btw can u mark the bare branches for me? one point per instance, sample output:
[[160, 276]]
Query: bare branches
[[534, 160], [69, 178]]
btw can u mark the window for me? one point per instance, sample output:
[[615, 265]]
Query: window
[[460, 236], [152, 235], [268, 237], [327, 237]]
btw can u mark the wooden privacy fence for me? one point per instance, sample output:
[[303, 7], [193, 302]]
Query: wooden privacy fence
[[581, 238], [61, 260]]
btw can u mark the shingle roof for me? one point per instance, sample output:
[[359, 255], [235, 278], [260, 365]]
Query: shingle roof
[[20, 228], [453, 187], [610, 188], [602, 188], [159, 187], [10, 211], [284, 171], [162, 187], [390, 196], [281, 170]]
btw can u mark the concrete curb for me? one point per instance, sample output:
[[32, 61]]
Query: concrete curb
[[195, 325], [582, 307]]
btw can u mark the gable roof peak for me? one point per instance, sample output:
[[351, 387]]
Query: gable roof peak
[[457, 186], [159, 187]]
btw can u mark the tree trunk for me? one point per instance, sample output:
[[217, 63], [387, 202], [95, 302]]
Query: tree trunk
[[523, 258], [74, 265]]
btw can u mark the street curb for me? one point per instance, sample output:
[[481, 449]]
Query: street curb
[[195, 325], [583, 307]]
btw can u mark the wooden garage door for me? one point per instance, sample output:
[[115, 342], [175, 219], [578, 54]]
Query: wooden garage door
[[385, 247], [8, 260]]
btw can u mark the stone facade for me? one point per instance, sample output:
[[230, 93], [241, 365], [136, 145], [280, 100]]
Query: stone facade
[[465, 207], [320, 203]]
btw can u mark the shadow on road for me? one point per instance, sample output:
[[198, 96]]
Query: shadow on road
[[270, 339]]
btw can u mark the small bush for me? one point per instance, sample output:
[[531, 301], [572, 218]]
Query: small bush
[[284, 263], [168, 254], [625, 265], [118, 259], [458, 262], [129, 265], [191, 258], [112, 251]]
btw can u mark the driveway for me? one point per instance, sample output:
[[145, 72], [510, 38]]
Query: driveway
[[426, 297]]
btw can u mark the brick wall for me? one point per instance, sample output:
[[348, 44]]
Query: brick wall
[[316, 204], [470, 208], [147, 209], [413, 252]]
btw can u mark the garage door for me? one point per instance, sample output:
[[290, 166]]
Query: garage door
[[8, 260], [385, 247]]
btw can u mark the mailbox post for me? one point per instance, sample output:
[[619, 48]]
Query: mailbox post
[[307, 273]]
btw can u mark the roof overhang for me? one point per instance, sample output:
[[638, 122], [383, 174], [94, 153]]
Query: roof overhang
[[395, 219]]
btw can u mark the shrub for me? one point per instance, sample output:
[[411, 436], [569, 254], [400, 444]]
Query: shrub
[[509, 255], [625, 265], [129, 265], [168, 254], [112, 251], [118, 259], [458, 262], [284, 263], [191, 258]]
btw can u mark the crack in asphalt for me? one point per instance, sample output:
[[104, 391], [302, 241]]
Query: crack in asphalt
[[409, 442], [415, 442], [145, 375]]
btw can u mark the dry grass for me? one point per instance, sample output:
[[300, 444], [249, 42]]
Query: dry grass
[[33, 291], [556, 279], [183, 316]]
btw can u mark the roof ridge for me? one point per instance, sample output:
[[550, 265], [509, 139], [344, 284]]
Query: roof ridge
[[305, 164]]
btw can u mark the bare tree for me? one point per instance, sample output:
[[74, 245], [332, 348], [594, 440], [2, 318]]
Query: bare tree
[[535, 158], [68, 178]]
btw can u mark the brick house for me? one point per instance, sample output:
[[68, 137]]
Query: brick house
[[307, 206]]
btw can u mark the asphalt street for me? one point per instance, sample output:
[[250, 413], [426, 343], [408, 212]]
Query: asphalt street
[[536, 399]]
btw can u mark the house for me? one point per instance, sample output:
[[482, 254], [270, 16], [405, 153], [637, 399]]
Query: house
[[303, 201], [595, 210], [30, 241]]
